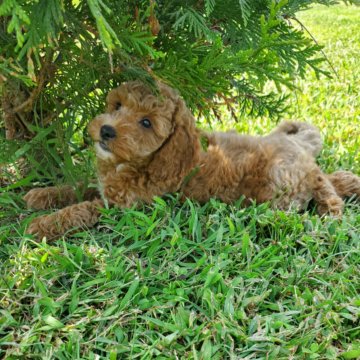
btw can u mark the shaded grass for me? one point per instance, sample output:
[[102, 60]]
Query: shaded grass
[[176, 281], [202, 282]]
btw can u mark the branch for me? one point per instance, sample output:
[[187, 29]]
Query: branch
[[315, 41], [44, 74]]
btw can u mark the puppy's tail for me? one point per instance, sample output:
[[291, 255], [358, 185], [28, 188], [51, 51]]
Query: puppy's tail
[[345, 183], [306, 135]]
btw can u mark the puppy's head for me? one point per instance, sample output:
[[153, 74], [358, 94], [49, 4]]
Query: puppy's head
[[142, 128]]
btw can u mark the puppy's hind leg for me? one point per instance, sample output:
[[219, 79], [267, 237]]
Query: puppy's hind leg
[[324, 194], [345, 183], [304, 134]]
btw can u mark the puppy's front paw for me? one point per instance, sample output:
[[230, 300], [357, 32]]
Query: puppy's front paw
[[50, 197], [44, 226], [34, 229], [66, 221], [39, 198]]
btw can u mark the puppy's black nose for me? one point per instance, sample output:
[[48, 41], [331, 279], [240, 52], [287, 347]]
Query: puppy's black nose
[[107, 132]]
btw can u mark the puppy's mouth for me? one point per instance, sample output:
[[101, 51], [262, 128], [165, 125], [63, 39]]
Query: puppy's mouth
[[104, 146]]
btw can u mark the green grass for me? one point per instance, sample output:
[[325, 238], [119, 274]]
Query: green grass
[[183, 281]]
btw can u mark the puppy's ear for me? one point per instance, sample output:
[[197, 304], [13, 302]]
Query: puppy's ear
[[180, 152]]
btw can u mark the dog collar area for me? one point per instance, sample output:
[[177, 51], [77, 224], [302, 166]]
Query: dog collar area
[[189, 176]]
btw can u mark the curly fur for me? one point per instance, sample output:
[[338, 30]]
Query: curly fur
[[139, 163]]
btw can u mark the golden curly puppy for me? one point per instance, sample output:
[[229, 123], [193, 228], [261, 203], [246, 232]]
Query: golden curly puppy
[[148, 145]]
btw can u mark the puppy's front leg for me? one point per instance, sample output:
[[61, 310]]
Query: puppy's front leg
[[57, 196], [52, 226]]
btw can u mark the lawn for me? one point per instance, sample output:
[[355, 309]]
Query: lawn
[[183, 281]]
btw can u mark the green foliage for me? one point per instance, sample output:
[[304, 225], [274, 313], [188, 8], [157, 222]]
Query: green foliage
[[60, 57]]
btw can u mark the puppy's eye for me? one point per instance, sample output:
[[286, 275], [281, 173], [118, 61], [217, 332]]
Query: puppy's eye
[[118, 106], [145, 123]]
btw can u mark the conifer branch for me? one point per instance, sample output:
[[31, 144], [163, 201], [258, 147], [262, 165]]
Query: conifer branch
[[316, 42]]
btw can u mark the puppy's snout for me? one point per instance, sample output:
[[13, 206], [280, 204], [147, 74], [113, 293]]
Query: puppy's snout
[[107, 132]]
